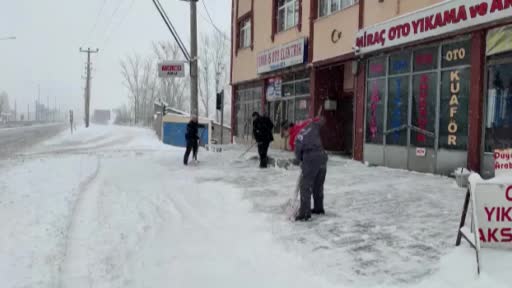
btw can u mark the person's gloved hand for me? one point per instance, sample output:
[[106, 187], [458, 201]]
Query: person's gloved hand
[[295, 162]]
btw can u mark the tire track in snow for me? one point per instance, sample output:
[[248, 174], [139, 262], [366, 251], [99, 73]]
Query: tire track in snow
[[82, 189]]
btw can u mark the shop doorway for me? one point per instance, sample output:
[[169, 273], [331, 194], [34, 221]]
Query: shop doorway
[[498, 109]]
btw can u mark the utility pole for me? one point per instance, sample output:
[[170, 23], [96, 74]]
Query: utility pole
[[15, 110], [194, 109], [47, 108], [28, 112], [88, 83]]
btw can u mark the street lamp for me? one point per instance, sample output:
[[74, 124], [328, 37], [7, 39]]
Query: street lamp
[[8, 38]]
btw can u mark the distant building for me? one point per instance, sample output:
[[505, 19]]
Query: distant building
[[101, 117]]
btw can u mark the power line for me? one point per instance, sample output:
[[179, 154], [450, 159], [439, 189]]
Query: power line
[[97, 19], [173, 31], [213, 24], [109, 35]]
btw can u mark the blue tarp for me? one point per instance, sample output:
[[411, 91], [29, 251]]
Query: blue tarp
[[174, 134]]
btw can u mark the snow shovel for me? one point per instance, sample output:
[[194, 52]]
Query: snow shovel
[[247, 151], [293, 204]]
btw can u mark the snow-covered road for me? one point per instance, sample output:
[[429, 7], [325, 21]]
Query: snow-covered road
[[113, 207]]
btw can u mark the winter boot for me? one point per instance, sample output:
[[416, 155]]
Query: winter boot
[[303, 218], [318, 211]]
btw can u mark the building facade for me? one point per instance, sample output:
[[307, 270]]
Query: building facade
[[423, 85]]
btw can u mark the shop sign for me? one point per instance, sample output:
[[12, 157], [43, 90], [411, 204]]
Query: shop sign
[[446, 17], [421, 152], [274, 88], [169, 69], [493, 211], [503, 162], [283, 56]]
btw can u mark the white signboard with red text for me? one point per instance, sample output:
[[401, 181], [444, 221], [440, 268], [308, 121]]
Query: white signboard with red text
[[283, 56], [169, 69], [443, 18], [492, 205], [503, 162]]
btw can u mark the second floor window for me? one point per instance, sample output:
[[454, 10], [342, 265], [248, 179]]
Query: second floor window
[[287, 14], [327, 7], [245, 33]]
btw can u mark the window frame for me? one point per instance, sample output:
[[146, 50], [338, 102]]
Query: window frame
[[295, 5], [244, 28], [329, 4]]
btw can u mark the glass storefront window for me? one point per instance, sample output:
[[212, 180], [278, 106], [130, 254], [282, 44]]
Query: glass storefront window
[[424, 109], [301, 109], [453, 127], [456, 54], [375, 112], [377, 67], [425, 59], [415, 118], [248, 100], [399, 63], [498, 124], [398, 110]]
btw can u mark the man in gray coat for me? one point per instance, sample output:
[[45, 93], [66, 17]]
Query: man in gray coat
[[310, 152]]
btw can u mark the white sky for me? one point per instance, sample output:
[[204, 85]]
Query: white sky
[[50, 32]]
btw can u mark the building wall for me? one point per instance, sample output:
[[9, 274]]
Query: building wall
[[327, 28], [376, 12], [244, 6], [244, 61]]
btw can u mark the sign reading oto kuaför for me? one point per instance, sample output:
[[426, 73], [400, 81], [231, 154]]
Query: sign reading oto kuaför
[[286, 55], [169, 69], [445, 17]]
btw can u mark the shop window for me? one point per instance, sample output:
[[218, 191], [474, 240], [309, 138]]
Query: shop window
[[456, 54], [498, 126], [377, 67], [327, 7], [424, 110], [453, 127], [245, 33], [375, 111], [287, 14], [425, 59], [301, 109], [400, 63], [248, 100], [398, 110]]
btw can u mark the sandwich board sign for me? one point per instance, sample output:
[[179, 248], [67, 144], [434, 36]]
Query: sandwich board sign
[[171, 69], [491, 203]]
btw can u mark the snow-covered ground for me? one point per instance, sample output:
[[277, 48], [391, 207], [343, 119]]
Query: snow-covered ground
[[113, 207]]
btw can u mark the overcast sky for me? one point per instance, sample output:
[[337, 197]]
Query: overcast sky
[[50, 32]]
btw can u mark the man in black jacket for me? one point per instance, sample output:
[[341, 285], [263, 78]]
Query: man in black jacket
[[192, 138], [262, 128]]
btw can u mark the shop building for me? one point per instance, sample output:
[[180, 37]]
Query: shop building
[[434, 85], [289, 58]]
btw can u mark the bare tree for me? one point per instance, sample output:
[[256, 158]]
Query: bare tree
[[4, 102], [131, 71], [205, 75]]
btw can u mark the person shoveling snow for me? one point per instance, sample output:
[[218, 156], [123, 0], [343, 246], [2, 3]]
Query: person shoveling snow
[[305, 141]]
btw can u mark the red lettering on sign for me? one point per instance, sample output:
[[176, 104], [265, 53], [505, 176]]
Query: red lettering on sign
[[496, 235], [508, 193], [497, 5]]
